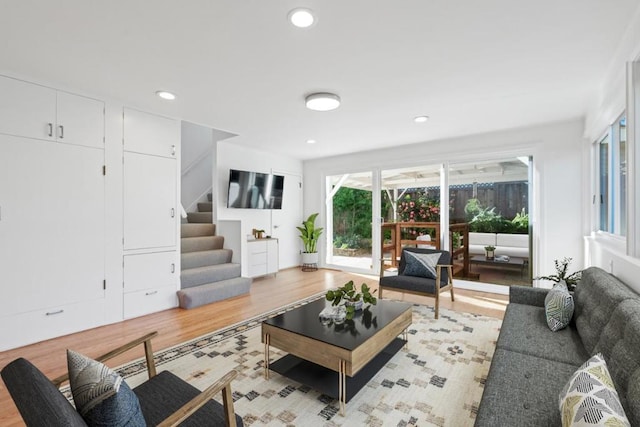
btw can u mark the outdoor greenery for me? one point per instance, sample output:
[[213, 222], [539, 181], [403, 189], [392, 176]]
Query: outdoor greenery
[[418, 207], [352, 218], [486, 220]]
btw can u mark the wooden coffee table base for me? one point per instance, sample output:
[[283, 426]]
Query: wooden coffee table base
[[317, 364]]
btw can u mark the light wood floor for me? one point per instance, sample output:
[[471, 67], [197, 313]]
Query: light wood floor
[[177, 325]]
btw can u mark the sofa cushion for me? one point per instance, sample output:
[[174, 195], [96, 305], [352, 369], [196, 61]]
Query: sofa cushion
[[558, 307], [165, 393], [101, 395], [522, 390], [421, 265], [620, 344], [482, 239], [590, 398], [410, 284], [524, 329], [596, 298], [37, 399], [513, 240]]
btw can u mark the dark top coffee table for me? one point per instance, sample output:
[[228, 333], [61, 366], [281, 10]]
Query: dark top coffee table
[[514, 262], [337, 360]]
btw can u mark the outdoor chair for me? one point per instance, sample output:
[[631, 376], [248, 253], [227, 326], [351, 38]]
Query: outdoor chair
[[165, 399], [420, 272]]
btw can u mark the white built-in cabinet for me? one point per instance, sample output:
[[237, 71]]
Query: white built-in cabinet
[[52, 213], [262, 257], [151, 219], [33, 111]]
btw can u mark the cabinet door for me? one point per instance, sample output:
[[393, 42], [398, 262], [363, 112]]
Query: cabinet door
[[150, 202], [150, 134], [51, 224], [272, 256], [146, 271], [148, 301], [27, 109], [80, 120]]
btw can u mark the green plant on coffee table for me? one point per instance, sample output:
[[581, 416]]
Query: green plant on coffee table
[[561, 274], [489, 248], [349, 293]]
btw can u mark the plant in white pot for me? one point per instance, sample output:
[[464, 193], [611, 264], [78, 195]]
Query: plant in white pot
[[310, 234]]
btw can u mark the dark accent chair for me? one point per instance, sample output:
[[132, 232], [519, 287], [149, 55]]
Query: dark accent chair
[[165, 399], [420, 285]]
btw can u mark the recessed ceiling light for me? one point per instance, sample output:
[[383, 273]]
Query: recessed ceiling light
[[311, 141], [302, 17], [166, 95], [420, 119], [322, 101]]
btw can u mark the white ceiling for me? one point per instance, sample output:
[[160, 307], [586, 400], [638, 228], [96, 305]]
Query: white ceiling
[[237, 65]]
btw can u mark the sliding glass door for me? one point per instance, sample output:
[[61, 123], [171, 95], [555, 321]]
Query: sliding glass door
[[484, 223], [492, 197], [349, 202]]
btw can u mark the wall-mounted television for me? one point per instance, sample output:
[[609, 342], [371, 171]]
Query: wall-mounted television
[[254, 190]]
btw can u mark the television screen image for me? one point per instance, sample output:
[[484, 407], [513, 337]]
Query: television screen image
[[254, 190]]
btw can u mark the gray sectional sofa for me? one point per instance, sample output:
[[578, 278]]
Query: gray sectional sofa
[[532, 364]]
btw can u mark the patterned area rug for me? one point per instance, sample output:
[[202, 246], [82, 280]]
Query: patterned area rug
[[437, 381]]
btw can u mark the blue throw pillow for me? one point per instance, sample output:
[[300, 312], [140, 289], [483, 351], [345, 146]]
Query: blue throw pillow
[[420, 265], [101, 396]]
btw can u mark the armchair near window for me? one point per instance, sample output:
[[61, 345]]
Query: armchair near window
[[425, 272], [165, 399]]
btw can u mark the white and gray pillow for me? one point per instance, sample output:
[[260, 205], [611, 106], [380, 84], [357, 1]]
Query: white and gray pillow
[[558, 307], [590, 398], [420, 264], [101, 396]]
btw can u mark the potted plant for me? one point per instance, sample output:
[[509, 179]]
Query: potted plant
[[561, 274], [353, 298], [310, 234], [489, 251]]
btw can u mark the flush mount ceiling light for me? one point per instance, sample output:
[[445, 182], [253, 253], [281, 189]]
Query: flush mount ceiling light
[[420, 119], [322, 101], [302, 17], [311, 141], [166, 95]]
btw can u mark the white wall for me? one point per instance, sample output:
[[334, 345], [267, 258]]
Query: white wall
[[198, 162], [196, 165], [603, 250], [558, 164], [232, 156]]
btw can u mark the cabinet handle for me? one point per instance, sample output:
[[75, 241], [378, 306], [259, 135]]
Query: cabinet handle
[[173, 213], [173, 268], [53, 313], [61, 131], [151, 293], [173, 150], [50, 126]]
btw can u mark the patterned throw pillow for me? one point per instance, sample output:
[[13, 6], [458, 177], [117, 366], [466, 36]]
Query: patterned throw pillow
[[590, 398], [421, 265], [558, 307], [101, 396]]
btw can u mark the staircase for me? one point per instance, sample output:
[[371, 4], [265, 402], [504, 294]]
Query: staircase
[[204, 214], [208, 275]]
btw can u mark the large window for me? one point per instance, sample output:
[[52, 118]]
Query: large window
[[612, 179]]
